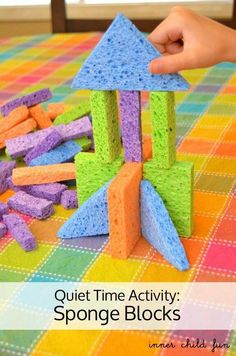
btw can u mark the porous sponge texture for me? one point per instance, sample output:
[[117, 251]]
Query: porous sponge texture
[[158, 229], [90, 219], [106, 131], [175, 187], [77, 112], [124, 210], [163, 128], [120, 62], [130, 113], [91, 174]]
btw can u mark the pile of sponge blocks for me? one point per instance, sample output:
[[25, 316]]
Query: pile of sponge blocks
[[132, 193], [57, 135]]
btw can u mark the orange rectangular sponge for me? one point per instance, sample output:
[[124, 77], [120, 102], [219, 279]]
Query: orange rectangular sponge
[[18, 130], [124, 210], [15, 117], [40, 116], [43, 174]]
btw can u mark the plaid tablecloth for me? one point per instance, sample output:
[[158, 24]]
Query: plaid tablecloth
[[206, 130]]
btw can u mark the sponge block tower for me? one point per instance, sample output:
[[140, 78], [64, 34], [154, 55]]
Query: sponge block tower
[[119, 63]]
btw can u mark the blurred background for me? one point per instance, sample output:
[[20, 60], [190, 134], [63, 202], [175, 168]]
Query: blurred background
[[24, 17]]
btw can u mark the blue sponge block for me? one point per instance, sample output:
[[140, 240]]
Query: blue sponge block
[[120, 62], [60, 154], [91, 219], [158, 228]]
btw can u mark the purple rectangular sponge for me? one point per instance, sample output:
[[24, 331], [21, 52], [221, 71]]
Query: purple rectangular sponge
[[76, 129], [3, 229], [130, 112], [49, 191], [21, 145], [29, 100], [6, 168], [52, 140], [20, 231], [3, 209], [69, 199], [38, 208]]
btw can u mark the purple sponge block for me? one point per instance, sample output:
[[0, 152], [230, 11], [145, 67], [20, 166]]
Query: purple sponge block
[[3, 209], [76, 129], [28, 100], [130, 111], [52, 140], [3, 229], [69, 199], [49, 191], [6, 168], [20, 231], [27, 204]]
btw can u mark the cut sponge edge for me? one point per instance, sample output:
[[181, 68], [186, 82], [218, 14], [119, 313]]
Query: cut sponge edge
[[158, 229], [91, 219], [124, 210], [175, 187], [92, 174]]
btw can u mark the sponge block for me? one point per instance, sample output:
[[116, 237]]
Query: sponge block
[[158, 229], [124, 210], [120, 62], [130, 112], [175, 186], [60, 154], [91, 174], [163, 128], [90, 219], [105, 125], [73, 114]]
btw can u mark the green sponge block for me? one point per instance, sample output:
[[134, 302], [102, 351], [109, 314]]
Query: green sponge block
[[106, 131], [163, 128], [84, 142], [175, 186], [91, 173], [77, 112]]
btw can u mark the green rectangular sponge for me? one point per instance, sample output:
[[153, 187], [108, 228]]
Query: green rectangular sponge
[[162, 106], [106, 130], [77, 112], [175, 186], [92, 174]]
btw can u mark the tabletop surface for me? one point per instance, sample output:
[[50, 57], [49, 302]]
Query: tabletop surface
[[206, 135]]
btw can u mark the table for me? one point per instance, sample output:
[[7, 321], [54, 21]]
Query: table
[[206, 130]]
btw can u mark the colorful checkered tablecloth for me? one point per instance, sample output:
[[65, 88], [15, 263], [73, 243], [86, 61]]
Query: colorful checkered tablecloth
[[206, 130]]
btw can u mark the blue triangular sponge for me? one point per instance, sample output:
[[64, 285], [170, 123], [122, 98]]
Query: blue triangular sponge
[[158, 229], [91, 219], [120, 62]]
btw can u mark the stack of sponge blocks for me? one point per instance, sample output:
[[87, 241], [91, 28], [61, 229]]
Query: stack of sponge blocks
[[172, 180]]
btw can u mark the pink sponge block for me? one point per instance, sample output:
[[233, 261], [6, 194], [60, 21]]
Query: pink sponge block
[[27, 100], [52, 140], [27, 204], [20, 231], [3, 209], [69, 199], [5, 171], [3, 229], [76, 129], [49, 191]]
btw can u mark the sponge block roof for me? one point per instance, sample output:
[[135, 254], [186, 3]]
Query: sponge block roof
[[120, 62]]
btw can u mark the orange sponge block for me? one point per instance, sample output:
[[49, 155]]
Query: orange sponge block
[[124, 210], [15, 117], [147, 148], [18, 130], [40, 116], [55, 109], [43, 174]]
